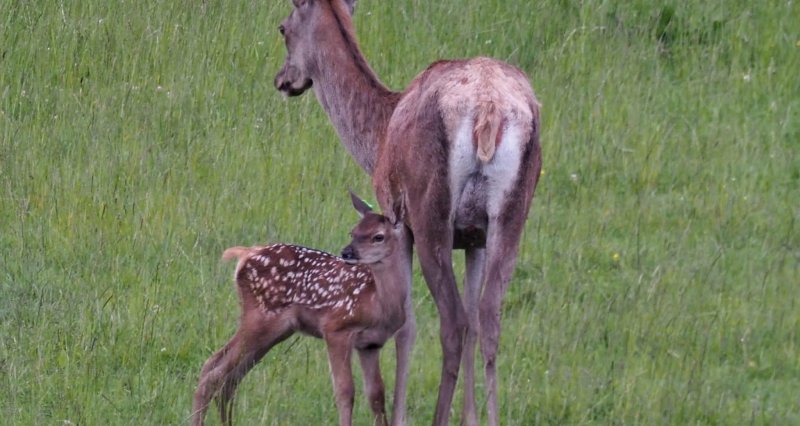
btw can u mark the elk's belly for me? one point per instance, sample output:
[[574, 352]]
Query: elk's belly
[[470, 219]]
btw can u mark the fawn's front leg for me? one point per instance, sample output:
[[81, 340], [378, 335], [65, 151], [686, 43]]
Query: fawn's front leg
[[339, 352], [373, 384]]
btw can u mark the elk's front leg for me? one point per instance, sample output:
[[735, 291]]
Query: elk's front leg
[[339, 352], [404, 343], [404, 340]]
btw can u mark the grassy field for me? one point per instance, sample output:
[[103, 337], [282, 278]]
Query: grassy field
[[658, 278]]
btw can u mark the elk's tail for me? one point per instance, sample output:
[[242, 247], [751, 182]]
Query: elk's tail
[[488, 130]]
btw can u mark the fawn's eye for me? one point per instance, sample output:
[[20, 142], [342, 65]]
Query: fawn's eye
[[282, 29], [378, 238]]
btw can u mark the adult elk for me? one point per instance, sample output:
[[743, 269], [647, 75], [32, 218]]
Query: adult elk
[[460, 147]]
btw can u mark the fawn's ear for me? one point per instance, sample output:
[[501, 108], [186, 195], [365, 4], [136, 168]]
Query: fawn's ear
[[398, 214], [360, 205]]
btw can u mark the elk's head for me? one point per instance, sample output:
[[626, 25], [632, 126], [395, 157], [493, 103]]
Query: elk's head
[[375, 237], [301, 32]]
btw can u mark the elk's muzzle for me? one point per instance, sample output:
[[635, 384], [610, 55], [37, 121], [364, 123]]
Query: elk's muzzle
[[289, 81]]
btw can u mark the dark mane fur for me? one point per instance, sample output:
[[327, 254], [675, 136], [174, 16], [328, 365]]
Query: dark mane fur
[[345, 25]]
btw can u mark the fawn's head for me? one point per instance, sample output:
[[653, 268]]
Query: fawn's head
[[375, 237], [303, 32]]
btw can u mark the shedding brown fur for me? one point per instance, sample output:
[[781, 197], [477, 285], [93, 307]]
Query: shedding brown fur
[[436, 146]]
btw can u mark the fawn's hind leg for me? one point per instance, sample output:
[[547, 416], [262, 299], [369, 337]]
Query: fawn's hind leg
[[223, 372], [211, 376]]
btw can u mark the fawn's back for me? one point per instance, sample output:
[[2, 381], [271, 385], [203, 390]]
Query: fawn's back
[[281, 277]]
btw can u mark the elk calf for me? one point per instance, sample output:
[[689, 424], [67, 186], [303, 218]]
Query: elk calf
[[354, 301]]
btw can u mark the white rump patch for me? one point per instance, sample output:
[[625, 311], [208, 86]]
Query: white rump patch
[[462, 161], [503, 169]]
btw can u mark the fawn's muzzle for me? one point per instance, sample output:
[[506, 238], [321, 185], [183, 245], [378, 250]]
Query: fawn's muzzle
[[349, 254]]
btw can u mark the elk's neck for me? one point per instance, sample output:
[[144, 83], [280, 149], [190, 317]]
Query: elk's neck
[[357, 102]]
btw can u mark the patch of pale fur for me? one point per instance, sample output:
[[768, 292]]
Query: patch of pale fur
[[503, 169], [462, 161]]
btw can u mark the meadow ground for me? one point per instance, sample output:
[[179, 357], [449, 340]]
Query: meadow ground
[[658, 278]]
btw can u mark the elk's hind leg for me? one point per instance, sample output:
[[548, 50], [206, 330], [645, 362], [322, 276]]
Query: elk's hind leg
[[435, 254], [473, 280], [506, 226], [501, 258]]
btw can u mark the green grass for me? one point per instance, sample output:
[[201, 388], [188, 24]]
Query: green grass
[[657, 282]]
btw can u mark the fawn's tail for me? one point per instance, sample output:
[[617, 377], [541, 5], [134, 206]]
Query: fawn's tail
[[237, 252]]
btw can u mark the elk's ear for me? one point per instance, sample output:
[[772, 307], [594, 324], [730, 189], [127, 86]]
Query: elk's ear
[[351, 6], [360, 205], [398, 213]]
